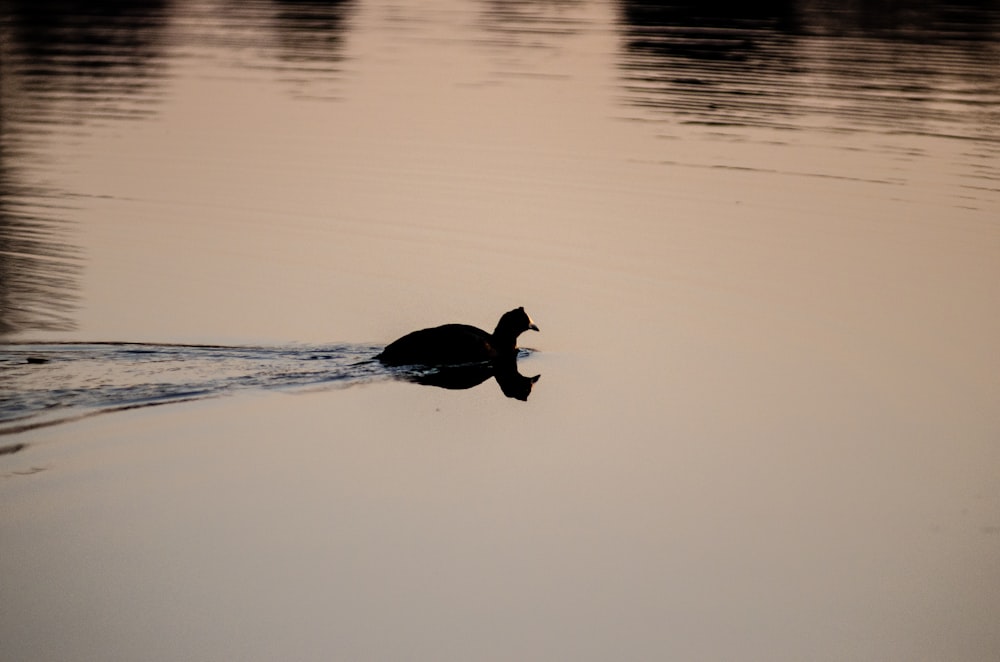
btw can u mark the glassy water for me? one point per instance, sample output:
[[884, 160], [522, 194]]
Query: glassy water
[[761, 242]]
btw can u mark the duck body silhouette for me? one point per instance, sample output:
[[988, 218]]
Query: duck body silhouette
[[458, 344]]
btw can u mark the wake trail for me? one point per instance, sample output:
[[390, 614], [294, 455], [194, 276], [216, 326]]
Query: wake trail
[[45, 384]]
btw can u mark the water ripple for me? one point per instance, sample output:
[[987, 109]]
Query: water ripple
[[45, 384]]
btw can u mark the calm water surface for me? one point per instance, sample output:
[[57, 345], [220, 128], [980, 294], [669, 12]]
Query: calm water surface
[[762, 244]]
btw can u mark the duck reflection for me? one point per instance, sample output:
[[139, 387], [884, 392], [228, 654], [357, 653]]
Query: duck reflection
[[504, 370]]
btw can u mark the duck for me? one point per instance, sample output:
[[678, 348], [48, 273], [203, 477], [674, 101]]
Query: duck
[[458, 344]]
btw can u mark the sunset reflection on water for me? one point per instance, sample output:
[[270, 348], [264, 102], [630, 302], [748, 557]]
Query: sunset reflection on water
[[761, 241]]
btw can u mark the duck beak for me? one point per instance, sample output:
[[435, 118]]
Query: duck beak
[[533, 327]]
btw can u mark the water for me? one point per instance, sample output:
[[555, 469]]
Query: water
[[761, 243], [63, 382]]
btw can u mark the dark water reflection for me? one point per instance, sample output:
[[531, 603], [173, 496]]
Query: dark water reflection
[[299, 42], [83, 61], [310, 36], [790, 69], [67, 66], [39, 267], [64, 65], [526, 24], [887, 67], [504, 370]]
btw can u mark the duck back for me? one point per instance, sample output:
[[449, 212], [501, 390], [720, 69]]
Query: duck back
[[449, 344]]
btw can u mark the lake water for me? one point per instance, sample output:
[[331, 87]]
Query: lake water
[[761, 241]]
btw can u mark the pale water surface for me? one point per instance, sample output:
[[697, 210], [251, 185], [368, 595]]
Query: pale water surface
[[761, 241]]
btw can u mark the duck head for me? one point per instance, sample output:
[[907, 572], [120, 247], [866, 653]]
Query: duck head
[[511, 325]]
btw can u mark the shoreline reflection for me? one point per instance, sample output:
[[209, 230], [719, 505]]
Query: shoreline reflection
[[40, 267]]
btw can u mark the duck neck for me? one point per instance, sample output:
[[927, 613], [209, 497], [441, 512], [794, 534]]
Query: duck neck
[[504, 341]]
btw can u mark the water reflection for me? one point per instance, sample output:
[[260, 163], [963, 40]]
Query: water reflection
[[63, 65], [767, 73], [761, 74], [716, 63], [312, 29], [908, 20], [504, 370], [73, 61], [528, 24], [39, 268], [12, 448], [68, 67], [767, 64], [310, 39]]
